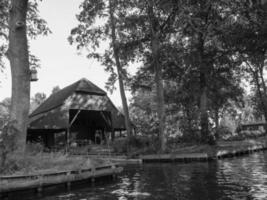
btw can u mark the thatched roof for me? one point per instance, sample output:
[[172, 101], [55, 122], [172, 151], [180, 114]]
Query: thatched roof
[[58, 98], [81, 95]]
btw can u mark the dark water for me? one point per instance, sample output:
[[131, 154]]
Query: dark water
[[238, 178]]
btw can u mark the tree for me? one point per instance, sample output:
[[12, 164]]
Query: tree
[[224, 89], [20, 17], [201, 27], [87, 33], [143, 109], [35, 26], [119, 67], [19, 61], [37, 100], [155, 45], [247, 37], [143, 33], [55, 89], [5, 105]]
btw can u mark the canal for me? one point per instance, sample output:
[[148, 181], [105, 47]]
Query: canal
[[236, 178]]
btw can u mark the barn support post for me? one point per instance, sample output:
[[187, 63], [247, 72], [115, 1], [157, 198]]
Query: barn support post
[[67, 139], [112, 134], [112, 129], [68, 130]]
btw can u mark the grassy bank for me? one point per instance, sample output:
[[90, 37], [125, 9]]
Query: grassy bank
[[220, 146], [186, 148], [33, 162]]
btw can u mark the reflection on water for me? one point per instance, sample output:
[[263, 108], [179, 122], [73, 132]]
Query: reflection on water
[[238, 178]]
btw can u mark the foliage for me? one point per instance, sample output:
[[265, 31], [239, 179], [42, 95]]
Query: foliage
[[37, 100], [35, 26], [224, 132], [55, 89], [136, 145], [194, 59], [143, 113], [7, 144], [34, 161], [247, 37], [89, 33], [200, 51], [4, 110]]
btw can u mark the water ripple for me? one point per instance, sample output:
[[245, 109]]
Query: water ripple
[[237, 178]]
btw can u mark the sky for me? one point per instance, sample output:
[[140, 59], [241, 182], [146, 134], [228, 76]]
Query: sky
[[60, 63]]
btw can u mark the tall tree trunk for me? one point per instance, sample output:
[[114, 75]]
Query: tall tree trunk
[[261, 67], [119, 69], [203, 102], [188, 119], [155, 45], [20, 72], [261, 96], [264, 96], [204, 115], [160, 94], [204, 119], [216, 119]]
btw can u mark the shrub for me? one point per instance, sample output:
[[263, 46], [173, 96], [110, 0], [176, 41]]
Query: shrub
[[7, 144], [119, 145], [46, 162], [134, 143], [34, 148], [35, 160], [223, 132]]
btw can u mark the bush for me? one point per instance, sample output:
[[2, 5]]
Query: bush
[[243, 134], [7, 144], [119, 145], [46, 162], [188, 137], [133, 144], [35, 160], [34, 148], [223, 132]]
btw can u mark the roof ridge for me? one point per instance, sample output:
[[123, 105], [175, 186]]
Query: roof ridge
[[87, 86]]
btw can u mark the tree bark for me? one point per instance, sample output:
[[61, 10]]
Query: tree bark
[[204, 115], [19, 62], [119, 70], [206, 137], [216, 119], [264, 95], [155, 45], [261, 96]]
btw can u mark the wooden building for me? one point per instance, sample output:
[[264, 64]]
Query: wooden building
[[80, 112]]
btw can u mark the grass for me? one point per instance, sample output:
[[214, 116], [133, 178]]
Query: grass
[[39, 163], [221, 145]]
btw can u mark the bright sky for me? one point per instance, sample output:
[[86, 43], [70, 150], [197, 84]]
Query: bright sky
[[60, 63]]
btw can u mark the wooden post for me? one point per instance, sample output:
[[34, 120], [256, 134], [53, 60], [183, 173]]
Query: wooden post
[[112, 134], [68, 184], [93, 176], [113, 167], [40, 186], [67, 139], [112, 130]]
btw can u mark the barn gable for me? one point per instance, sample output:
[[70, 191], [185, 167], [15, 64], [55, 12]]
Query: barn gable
[[81, 106]]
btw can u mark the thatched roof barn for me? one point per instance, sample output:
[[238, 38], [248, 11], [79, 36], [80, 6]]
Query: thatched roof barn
[[80, 111]]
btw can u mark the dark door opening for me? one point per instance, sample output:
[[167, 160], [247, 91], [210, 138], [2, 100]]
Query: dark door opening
[[89, 126]]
